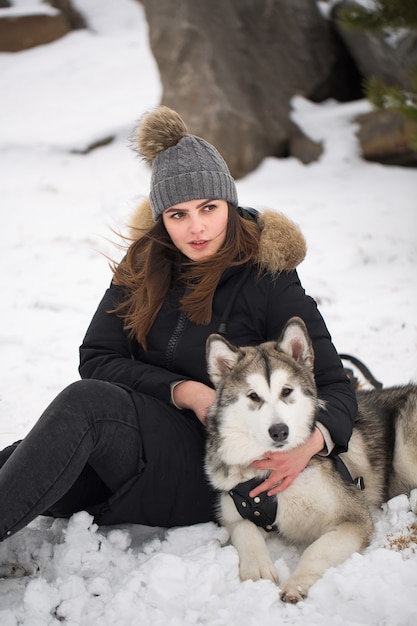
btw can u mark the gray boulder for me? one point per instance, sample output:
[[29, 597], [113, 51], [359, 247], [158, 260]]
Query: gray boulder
[[231, 68], [22, 31], [386, 137], [389, 55]]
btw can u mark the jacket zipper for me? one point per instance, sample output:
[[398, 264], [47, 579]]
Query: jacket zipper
[[172, 343]]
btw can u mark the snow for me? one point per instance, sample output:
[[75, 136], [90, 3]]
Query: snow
[[59, 211], [20, 11]]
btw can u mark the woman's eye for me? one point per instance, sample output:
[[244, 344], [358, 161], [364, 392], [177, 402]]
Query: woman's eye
[[177, 215]]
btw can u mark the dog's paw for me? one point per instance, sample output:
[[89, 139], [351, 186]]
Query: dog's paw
[[257, 570], [296, 588], [292, 594]]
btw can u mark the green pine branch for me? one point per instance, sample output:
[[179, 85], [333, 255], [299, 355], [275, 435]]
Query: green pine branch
[[388, 14], [384, 96], [385, 14]]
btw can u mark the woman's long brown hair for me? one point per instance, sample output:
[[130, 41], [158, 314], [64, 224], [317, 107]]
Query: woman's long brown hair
[[153, 265]]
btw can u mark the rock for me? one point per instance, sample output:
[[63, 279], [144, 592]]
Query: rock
[[302, 147], [231, 68], [389, 55], [74, 17], [20, 30], [105, 141], [385, 137]]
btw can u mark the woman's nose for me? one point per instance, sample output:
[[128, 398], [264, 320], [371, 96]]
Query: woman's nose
[[197, 225]]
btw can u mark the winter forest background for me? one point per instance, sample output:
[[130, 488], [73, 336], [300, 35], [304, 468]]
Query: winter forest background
[[60, 205]]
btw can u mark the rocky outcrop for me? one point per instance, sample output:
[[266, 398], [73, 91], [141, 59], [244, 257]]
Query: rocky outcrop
[[22, 29], [302, 147], [388, 55], [74, 17], [231, 68], [385, 137]]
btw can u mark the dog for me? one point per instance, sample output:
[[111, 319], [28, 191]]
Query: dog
[[266, 400]]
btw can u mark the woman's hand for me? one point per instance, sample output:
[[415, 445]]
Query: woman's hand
[[285, 466], [198, 397]]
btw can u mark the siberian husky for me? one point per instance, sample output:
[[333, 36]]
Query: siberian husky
[[267, 400]]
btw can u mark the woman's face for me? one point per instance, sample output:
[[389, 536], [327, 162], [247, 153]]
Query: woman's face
[[198, 227]]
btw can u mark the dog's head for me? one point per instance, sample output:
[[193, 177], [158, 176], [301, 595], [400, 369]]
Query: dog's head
[[266, 395]]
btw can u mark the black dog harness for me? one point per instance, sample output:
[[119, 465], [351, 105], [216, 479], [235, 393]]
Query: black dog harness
[[262, 509]]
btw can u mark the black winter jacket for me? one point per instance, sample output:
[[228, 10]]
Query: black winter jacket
[[257, 308]]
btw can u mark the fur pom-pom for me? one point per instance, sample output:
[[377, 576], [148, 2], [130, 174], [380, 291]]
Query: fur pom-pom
[[157, 131]]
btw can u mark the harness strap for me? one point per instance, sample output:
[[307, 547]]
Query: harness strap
[[262, 509], [343, 470]]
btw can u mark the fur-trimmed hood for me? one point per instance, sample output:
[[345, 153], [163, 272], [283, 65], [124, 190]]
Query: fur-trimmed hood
[[282, 245]]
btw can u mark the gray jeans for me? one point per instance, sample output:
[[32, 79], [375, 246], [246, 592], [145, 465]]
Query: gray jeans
[[83, 448]]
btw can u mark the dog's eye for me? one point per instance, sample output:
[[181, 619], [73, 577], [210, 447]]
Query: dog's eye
[[286, 391], [252, 395]]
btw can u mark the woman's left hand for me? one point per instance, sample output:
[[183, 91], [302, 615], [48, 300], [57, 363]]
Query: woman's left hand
[[285, 466], [190, 394]]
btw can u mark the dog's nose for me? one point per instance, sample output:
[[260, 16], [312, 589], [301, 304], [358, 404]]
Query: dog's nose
[[278, 432]]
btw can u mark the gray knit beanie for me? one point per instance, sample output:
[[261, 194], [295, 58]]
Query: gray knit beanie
[[184, 167]]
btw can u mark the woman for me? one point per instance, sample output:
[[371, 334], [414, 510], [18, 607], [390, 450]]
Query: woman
[[126, 443]]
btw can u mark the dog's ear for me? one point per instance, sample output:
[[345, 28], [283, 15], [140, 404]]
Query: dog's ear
[[295, 341], [221, 357]]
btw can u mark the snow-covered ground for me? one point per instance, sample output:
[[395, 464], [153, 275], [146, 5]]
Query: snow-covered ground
[[59, 208]]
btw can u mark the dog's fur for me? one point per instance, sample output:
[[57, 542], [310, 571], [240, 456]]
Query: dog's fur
[[267, 400]]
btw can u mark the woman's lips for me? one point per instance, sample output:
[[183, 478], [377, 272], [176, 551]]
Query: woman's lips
[[199, 245]]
